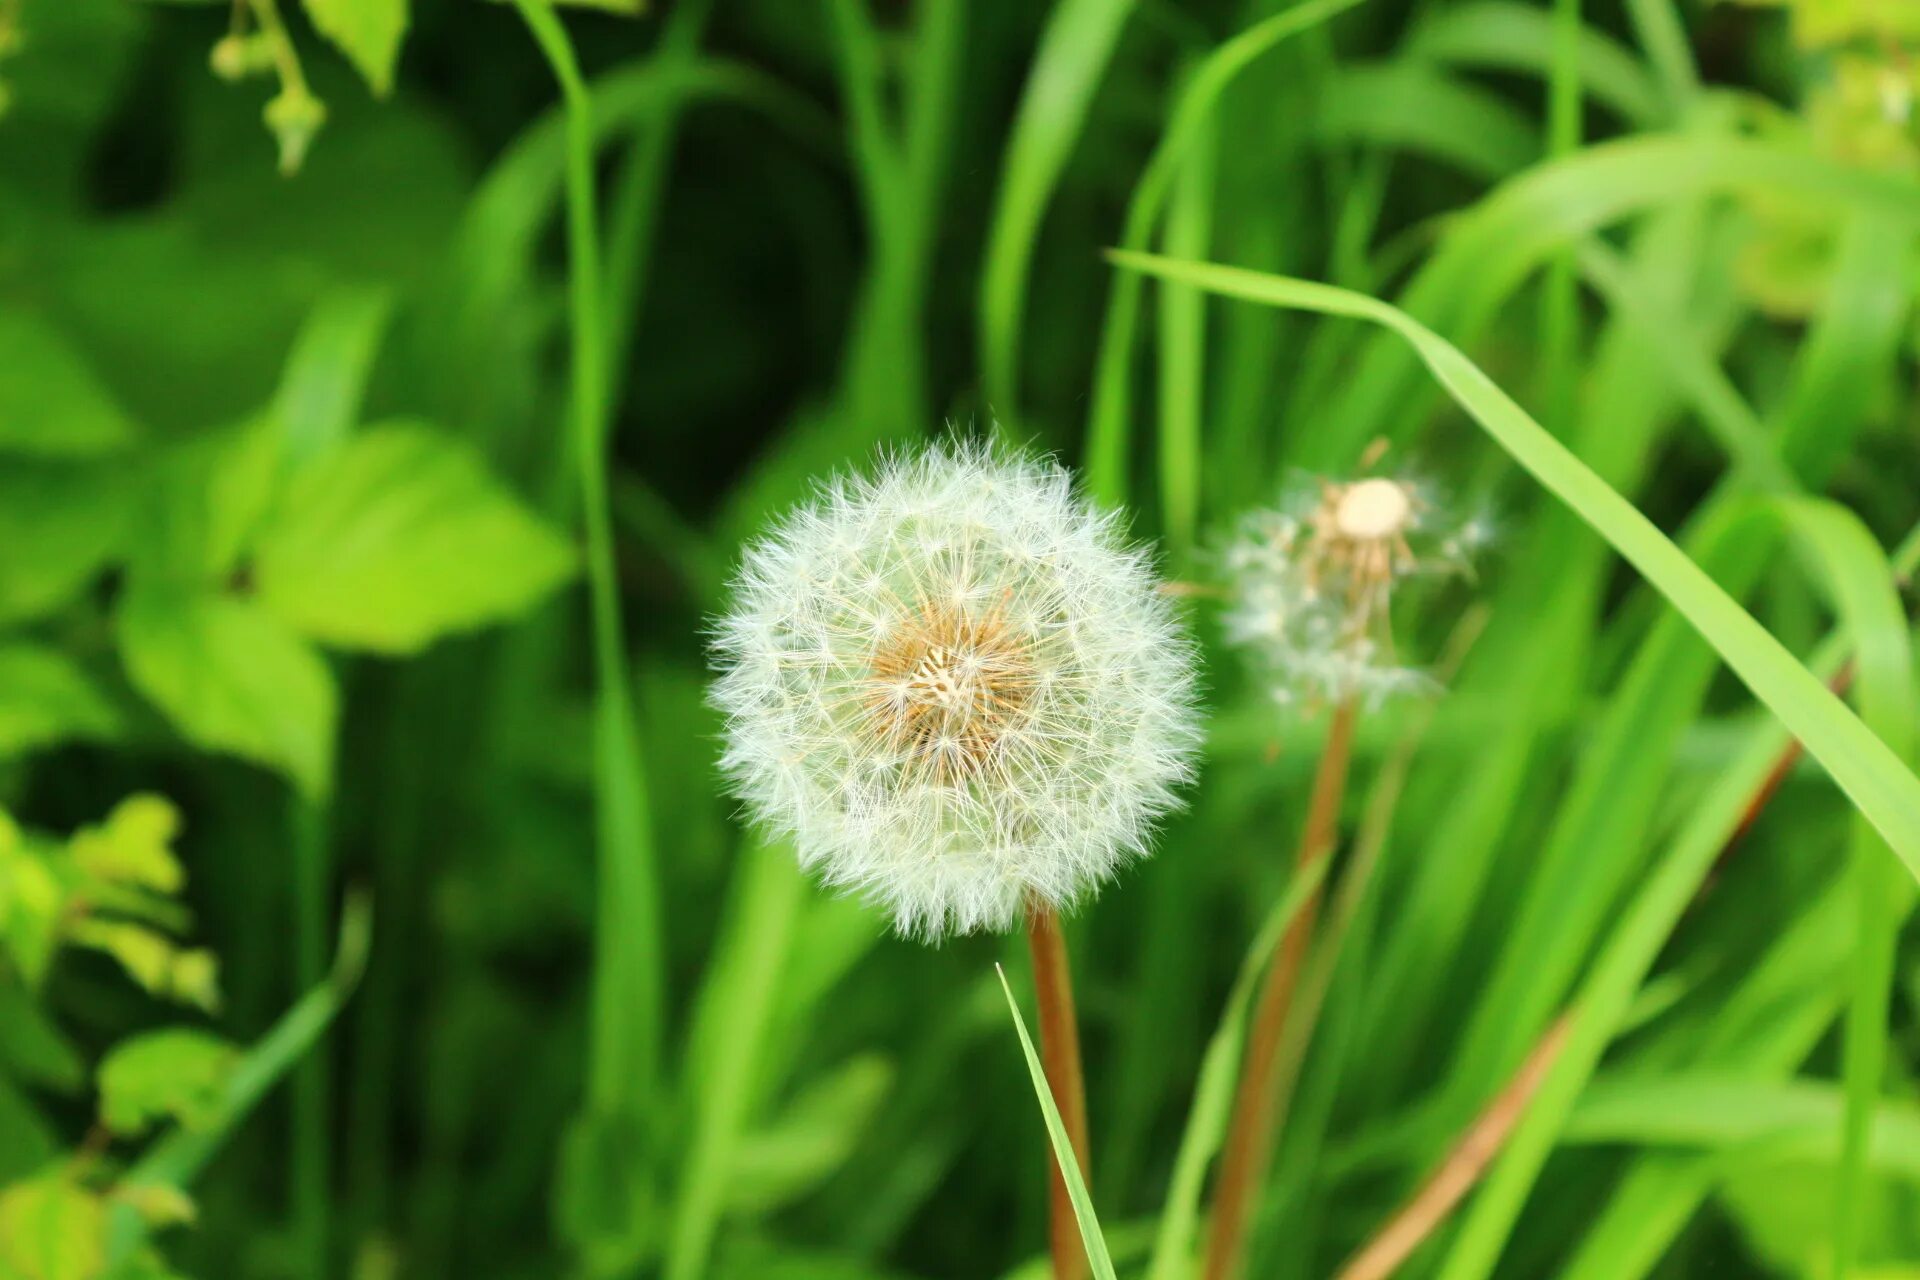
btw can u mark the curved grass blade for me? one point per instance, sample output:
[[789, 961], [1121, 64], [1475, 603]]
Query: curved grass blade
[[1505, 36], [1855, 573], [1874, 778], [1069, 1164]]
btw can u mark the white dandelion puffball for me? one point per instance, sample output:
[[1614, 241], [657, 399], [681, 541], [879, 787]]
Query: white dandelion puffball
[[956, 688], [1311, 585]]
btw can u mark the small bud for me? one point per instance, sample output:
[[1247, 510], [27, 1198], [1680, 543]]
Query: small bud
[[228, 59], [295, 117]]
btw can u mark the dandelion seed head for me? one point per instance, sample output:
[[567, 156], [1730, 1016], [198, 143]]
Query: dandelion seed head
[[954, 686], [1310, 584]]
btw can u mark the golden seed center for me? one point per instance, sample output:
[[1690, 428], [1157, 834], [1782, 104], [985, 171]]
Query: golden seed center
[[946, 687]]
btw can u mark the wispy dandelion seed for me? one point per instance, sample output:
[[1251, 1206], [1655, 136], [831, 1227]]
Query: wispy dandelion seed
[[1311, 585], [954, 685]]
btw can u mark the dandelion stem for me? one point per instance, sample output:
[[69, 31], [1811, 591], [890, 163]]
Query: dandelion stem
[[1251, 1132], [1381, 1256], [1060, 1053]]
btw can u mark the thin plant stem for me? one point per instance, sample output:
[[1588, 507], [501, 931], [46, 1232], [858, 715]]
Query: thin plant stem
[[311, 1160], [1395, 1242], [627, 979], [1060, 1053], [1250, 1133]]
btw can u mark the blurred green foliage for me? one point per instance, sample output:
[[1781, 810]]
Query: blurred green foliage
[[291, 532]]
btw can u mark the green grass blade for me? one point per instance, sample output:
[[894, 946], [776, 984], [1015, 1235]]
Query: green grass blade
[[1855, 572], [1067, 69], [1664, 34], [1767, 1027], [325, 379], [1063, 1152], [1880, 786], [1424, 110], [1506, 36], [628, 972], [1800, 1119], [1183, 348], [1213, 1094], [735, 1011]]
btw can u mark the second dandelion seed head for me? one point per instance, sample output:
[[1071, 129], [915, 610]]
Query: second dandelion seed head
[[1311, 584]]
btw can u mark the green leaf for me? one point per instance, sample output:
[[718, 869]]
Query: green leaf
[[46, 699], [51, 1229], [152, 960], [177, 1074], [367, 31], [207, 505], [60, 525], [133, 846], [399, 538], [231, 678], [27, 1141], [50, 403], [31, 901]]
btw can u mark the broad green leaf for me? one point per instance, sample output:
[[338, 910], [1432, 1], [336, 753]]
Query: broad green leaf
[[206, 505], [46, 699], [50, 403], [177, 1074], [398, 538], [51, 1229], [367, 31], [61, 524], [134, 845], [232, 678]]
